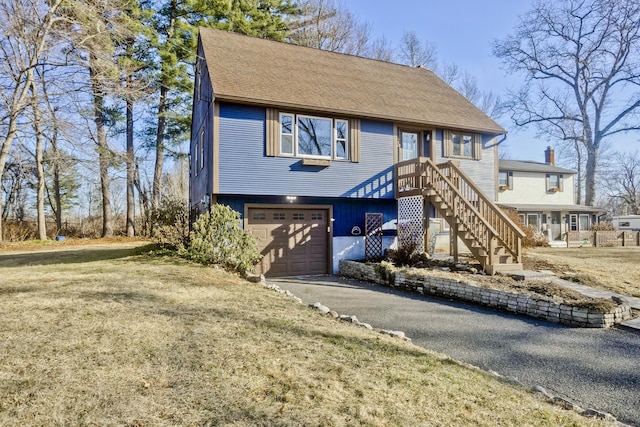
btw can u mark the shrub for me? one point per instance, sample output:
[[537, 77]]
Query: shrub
[[532, 236], [218, 238], [405, 255], [603, 226], [170, 223]]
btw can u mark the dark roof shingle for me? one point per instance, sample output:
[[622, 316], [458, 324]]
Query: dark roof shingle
[[529, 166], [253, 70]]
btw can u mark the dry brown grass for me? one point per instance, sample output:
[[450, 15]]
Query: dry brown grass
[[613, 269], [106, 337]]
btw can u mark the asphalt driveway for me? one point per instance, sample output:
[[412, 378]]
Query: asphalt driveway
[[594, 368]]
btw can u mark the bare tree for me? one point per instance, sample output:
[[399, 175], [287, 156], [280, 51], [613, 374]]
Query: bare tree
[[622, 183], [98, 29], [581, 60], [467, 85], [327, 25], [26, 27], [381, 49], [39, 159], [415, 52]]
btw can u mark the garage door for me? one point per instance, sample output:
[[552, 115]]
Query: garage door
[[293, 241]]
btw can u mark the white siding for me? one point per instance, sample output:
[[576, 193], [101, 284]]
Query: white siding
[[530, 188]]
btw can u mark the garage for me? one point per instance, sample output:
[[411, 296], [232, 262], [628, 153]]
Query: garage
[[293, 240]]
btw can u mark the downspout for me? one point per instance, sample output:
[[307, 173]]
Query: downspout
[[496, 166]]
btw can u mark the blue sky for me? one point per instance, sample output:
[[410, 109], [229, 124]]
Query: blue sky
[[463, 32]]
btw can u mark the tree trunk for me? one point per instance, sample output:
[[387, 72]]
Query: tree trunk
[[104, 153], [590, 182], [42, 225], [57, 198], [143, 199], [157, 172], [18, 97], [580, 174], [156, 190], [131, 207]]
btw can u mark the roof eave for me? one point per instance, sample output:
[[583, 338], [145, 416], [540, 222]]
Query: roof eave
[[358, 114]]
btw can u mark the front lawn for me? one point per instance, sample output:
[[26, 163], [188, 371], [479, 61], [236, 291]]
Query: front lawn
[[107, 336], [616, 269]]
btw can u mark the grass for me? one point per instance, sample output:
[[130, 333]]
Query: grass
[[610, 268], [107, 336]]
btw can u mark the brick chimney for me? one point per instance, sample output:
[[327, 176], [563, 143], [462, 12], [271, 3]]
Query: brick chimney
[[549, 156]]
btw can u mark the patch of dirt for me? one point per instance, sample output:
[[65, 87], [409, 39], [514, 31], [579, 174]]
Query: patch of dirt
[[535, 263]]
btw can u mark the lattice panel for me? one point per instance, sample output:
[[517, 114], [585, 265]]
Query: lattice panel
[[373, 235], [410, 221]]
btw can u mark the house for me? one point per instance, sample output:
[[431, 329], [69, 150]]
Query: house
[[325, 155], [544, 196]]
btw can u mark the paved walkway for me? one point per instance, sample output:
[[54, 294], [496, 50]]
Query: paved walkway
[[594, 368], [633, 324]]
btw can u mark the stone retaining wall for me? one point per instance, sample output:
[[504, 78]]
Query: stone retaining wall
[[503, 300]]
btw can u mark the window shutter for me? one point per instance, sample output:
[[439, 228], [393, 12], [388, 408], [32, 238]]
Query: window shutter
[[354, 140], [510, 180], [477, 146], [446, 144], [272, 132], [548, 182], [560, 184]]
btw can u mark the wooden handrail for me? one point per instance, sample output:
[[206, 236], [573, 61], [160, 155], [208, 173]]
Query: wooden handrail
[[509, 234], [416, 175], [482, 218]]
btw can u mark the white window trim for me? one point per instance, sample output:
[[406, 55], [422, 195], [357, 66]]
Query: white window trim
[[315, 156], [418, 142], [293, 134], [573, 222], [334, 137], [588, 217], [506, 175]]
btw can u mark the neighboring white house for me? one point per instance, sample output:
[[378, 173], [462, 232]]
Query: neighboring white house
[[543, 195]]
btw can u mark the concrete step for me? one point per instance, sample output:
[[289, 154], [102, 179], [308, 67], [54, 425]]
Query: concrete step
[[503, 268]]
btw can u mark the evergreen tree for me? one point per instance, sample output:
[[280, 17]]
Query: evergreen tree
[[176, 23]]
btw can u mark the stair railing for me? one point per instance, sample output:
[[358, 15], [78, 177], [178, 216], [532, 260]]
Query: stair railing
[[421, 176], [508, 233]]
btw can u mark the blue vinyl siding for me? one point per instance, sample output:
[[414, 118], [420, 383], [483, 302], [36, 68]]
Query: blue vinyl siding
[[201, 180], [482, 172], [245, 169], [347, 212]]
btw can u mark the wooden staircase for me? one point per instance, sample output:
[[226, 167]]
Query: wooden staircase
[[491, 236]]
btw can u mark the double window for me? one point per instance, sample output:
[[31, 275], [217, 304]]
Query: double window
[[462, 144], [311, 136]]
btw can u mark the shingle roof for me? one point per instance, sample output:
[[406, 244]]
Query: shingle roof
[[253, 70], [550, 207], [528, 166]]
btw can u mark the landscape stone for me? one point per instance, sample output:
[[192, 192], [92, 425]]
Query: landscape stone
[[542, 391], [321, 308]]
